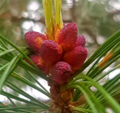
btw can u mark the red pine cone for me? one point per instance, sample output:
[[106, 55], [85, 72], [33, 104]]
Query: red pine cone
[[67, 36], [61, 72], [76, 57], [34, 40], [50, 52], [39, 63], [80, 41]]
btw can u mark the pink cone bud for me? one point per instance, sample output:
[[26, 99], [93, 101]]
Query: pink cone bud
[[34, 40], [39, 63], [50, 52], [76, 57], [80, 41], [68, 36], [61, 72]]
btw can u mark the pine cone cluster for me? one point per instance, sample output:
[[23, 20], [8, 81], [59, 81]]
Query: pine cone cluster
[[58, 58]]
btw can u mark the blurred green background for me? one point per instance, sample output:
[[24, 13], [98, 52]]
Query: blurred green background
[[95, 19]]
